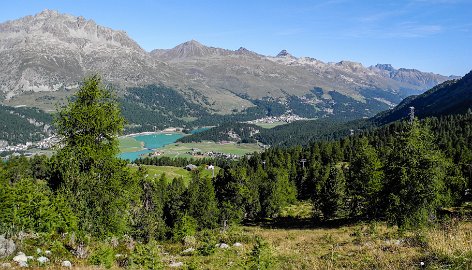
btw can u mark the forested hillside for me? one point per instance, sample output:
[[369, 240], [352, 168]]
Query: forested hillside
[[450, 97], [21, 124]]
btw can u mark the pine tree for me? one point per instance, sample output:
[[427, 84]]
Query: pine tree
[[277, 192], [232, 193], [148, 220], [333, 193], [365, 180], [415, 174], [175, 206], [86, 168], [202, 204]]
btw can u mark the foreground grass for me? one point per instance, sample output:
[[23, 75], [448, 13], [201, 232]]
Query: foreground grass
[[359, 246], [296, 244]]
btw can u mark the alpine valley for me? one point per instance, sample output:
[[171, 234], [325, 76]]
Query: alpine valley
[[44, 57]]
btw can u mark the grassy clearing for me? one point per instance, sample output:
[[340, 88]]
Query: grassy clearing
[[270, 125], [130, 144], [172, 172], [183, 149], [358, 246]]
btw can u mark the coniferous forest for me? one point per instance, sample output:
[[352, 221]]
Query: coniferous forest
[[85, 203]]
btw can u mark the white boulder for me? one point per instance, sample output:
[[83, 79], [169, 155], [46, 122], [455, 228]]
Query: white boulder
[[20, 257], [66, 264], [42, 259], [222, 245]]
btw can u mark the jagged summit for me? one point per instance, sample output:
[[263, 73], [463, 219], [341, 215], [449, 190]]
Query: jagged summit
[[48, 12], [244, 51], [285, 53], [68, 29], [192, 43], [194, 49], [387, 67]]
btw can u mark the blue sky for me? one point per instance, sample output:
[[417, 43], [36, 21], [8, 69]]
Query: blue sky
[[430, 35]]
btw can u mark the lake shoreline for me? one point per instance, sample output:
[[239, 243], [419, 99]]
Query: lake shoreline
[[151, 133], [147, 146], [150, 142]]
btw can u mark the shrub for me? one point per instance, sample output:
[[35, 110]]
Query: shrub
[[29, 205], [260, 257], [146, 257], [185, 227], [103, 255]]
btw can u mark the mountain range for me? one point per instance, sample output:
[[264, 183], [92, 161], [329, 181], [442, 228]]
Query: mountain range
[[44, 57], [451, 97]]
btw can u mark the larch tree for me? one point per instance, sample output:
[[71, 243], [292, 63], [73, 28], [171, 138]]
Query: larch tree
[[87, 170]]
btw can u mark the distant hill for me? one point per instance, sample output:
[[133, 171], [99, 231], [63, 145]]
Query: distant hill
[[451, 97]]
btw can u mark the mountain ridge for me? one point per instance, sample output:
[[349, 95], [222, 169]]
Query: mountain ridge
[[450, 97], [51, 52]]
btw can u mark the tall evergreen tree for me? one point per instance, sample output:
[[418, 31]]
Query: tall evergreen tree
[[202, 204], [148, 221], [175, 205], [277, 193], [415, 174], [365, 180], [87, 170], [232, 193], [333, 193]]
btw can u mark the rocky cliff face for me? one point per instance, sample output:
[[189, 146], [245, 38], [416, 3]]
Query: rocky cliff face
[[52, 51]]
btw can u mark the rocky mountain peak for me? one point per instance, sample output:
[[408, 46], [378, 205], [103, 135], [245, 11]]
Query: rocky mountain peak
[[47, 13], [285, 53], [192, 43], [51, 51], [410, 76], [387, 67], [350, 64], [244, 51], [66, 29], [189, 49]]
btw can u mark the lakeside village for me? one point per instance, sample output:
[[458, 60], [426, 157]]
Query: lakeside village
[[21, 149], [196, 152], [286, 118], [7, 150]]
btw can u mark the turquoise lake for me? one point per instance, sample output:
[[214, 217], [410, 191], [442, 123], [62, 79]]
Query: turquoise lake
[[151, 142]]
